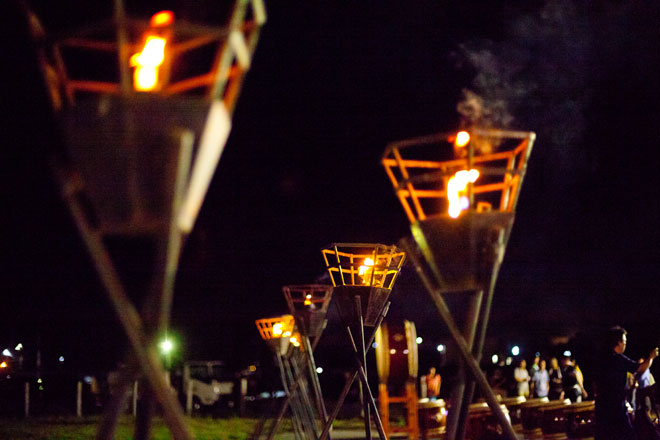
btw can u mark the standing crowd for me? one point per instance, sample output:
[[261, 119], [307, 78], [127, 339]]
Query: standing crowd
[[555, 383]]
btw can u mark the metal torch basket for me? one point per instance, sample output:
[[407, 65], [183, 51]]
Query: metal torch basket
[[309, 305], [367, 271], [464, 252], [277, 332]]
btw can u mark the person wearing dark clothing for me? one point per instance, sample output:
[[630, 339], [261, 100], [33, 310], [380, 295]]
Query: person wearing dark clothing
[[570, 381], [556, 379], [612, 421]]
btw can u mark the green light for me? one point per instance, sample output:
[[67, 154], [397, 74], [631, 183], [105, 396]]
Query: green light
[[166, 346]]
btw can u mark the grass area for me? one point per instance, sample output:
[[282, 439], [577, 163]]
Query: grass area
[[71, 428]]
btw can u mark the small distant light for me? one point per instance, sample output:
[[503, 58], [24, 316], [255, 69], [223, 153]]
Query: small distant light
[[441, 348], [405, 351], [509, 360], [495, 358], [39, 380], [319, 370], [41, 388], [3, 364], [374, 345], [252, 368], [18, 347], [87, 380], [419, 340], [515, 350], [7, 353], [537, 354], [568, 353], [392, 351], [61, 359]]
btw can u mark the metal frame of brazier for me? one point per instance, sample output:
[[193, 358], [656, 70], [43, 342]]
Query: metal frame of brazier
[[463, 249], [137, 165], [363, 276]]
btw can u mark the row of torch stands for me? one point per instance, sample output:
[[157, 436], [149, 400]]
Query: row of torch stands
[[534, 419]]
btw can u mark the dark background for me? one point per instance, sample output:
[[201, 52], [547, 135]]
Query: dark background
[[330, 86]]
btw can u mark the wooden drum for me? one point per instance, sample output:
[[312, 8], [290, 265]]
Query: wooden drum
[[581, 420], [553, 420], [396, 355], [432, 418], [531, 418], [513, 405], [482, 424]]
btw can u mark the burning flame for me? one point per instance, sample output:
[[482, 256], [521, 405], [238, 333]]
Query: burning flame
[[308, 300], [147, 62], [294, 341], [456, 191], [162, 18], [462, 139], [277, 329], [366, 270]]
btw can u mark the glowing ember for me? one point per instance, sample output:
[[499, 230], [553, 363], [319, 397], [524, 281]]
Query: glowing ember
[[277, 329], [308, 300], [456, 191], [294, 341], [365, 270], [462, 139]]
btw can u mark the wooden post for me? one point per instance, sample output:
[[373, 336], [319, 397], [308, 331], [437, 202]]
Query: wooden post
[[411, 407], [241, 397], [135, 398], [79, 399], [189, 397], [384, 404], [26, 407]]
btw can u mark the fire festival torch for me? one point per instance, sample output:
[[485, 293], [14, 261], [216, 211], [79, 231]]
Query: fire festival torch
[[144, 121], [281, 336], [363, 276], [459, 191], [309, 305]]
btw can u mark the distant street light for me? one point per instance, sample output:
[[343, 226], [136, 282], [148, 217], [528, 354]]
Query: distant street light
[[166, 346], [515, 350], [495, 359], [7, 353], [419, 340], [441, 348]]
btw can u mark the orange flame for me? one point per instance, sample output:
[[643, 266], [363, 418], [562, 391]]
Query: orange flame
[[147, 62], [462, 139], [308, 300], [456, 191], [365, 270]]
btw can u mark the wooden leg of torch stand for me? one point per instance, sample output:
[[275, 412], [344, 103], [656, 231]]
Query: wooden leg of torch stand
[[363, 361], [456, 418], [146, 357], [297, 429], [349, 382], [316, 385], [478, 347], [471, 363], [285, 405]]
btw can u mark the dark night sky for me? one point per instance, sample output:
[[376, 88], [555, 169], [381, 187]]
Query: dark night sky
[[329, 87]]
